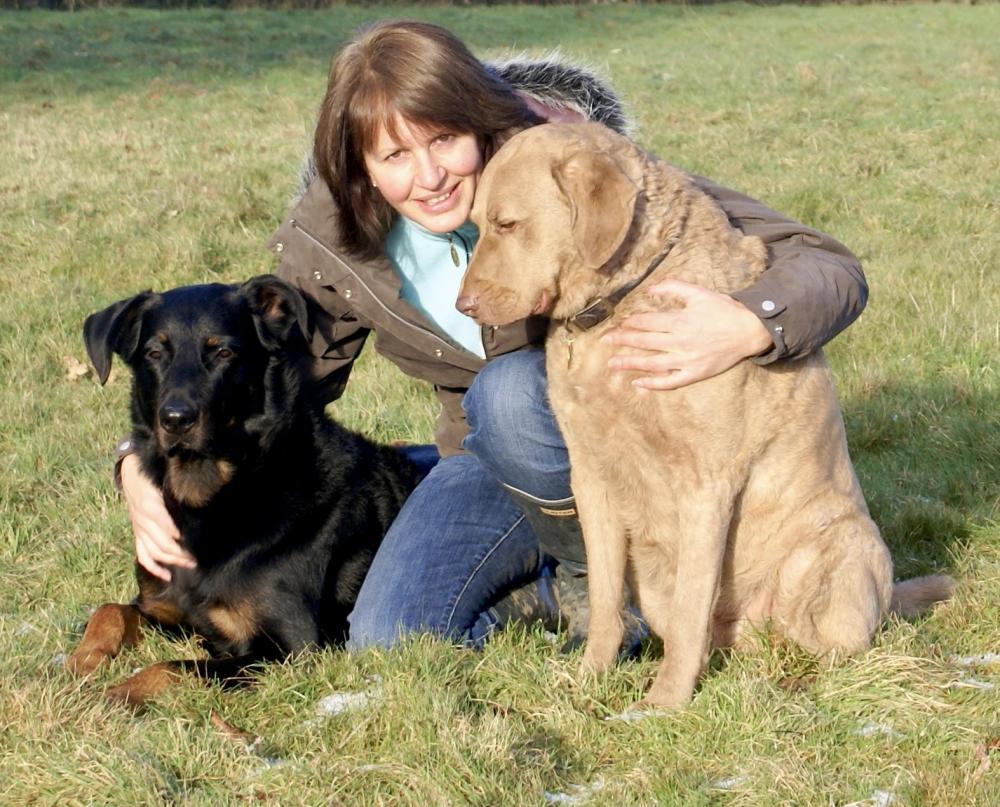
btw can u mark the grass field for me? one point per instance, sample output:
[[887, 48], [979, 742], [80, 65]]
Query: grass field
[[152, 149]]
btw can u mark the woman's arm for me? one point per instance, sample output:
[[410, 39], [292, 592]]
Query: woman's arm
[[813, 288], [333, 332], [156, 535]]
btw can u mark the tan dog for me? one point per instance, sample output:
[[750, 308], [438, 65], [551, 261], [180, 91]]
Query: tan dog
[[733, 500]]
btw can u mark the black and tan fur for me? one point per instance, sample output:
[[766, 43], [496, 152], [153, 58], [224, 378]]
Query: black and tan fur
[[281, 508]]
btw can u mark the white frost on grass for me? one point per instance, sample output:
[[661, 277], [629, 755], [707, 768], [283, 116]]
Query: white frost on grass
[[878, 798], [575, 794], [729, 783], [971, 683], [870, 728], [634, 715], [337, 703], [975, 661]]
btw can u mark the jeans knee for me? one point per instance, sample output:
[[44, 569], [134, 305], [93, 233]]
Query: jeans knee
[[506, 390], [512, 430]]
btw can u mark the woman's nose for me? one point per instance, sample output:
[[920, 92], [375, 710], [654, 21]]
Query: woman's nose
[[430, 173]]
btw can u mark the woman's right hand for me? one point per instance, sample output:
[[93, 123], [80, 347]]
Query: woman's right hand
[[156, 536]]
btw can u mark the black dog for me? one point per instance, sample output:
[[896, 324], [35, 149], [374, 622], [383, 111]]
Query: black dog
[[282, 509]]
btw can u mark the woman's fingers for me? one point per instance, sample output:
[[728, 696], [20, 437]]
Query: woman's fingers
[[145, 560], [700, 334]]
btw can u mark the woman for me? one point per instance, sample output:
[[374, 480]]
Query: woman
[[378, 243]]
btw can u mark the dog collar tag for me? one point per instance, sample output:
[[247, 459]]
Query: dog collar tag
[[603, 307], [594, 314]]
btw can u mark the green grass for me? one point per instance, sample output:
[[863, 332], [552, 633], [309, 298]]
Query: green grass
[[148, 149]]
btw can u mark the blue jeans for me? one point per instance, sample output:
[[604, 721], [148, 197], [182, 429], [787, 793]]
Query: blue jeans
[[460, 543]]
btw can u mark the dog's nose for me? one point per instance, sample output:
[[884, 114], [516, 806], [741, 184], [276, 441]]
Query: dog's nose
[[178, 418], [468, 304]]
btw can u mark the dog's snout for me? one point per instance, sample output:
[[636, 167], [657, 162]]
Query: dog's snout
[[468, 304], [177, 417]]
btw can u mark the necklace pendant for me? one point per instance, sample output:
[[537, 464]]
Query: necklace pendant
[[454, 253]]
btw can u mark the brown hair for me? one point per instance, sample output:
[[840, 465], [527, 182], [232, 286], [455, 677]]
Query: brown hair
[[426, 75]]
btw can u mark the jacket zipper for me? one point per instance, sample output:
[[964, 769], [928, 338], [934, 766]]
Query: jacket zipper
[[373, 295]]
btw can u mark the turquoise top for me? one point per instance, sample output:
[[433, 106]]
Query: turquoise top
[[431, 267]]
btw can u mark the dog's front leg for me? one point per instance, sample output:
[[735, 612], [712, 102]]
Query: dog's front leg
[[605, 542], [112, 627], [142, 687], [686, 629]]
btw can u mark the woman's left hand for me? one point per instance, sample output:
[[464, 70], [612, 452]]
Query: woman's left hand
[[706, 335]]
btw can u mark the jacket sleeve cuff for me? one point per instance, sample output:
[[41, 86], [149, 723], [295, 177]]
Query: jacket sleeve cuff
[[125, 447], [769, 307], [804, 299]]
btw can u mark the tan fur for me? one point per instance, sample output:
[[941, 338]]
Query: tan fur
[[729, 503], [195, 482], [236, 622], [145, 684], [155, 601]]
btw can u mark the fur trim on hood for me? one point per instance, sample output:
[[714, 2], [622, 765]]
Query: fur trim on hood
[[553, 81], [550, 80]]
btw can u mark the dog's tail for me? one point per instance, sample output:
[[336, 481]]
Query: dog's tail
[[912, 597]]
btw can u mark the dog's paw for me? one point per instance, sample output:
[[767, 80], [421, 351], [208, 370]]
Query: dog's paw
[[145, 685], [665, 696], [595, 662], [84, 661]]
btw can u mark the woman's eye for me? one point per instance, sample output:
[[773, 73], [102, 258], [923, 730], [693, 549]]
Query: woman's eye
[[445, 137], [396, 155]]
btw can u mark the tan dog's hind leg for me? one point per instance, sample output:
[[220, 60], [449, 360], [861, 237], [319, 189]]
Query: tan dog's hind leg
[[833, 605], [112, 627]]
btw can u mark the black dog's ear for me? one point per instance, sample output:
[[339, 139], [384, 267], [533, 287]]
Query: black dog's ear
[[114, 330], [279, 310]]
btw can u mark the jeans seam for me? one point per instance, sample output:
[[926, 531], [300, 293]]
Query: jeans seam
[[476, 570]]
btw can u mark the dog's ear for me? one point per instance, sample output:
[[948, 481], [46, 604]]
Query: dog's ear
[[279, 310], [602, 202], [114, 330]]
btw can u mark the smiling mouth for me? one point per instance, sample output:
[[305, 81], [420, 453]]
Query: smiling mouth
[[433, 201]]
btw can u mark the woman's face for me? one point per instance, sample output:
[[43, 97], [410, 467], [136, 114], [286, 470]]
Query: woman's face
[[428, 175]]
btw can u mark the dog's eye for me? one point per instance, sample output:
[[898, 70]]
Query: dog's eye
[[153, 354], [223, 353], [505, 225]]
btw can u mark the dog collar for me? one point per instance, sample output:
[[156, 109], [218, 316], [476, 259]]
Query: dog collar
[[598, 310]]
